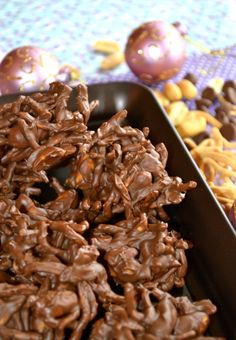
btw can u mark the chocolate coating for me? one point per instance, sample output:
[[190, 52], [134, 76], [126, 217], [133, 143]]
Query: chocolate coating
[[141, 318], [58, 265], [127, 176], [150, 254]]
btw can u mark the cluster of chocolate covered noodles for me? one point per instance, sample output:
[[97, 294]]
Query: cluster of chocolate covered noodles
[[98, 260]]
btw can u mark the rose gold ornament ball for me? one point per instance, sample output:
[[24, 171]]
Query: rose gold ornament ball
[[27, 69], [155, 51]]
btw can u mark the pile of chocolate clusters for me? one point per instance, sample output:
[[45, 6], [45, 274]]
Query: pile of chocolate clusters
[[97, 260]]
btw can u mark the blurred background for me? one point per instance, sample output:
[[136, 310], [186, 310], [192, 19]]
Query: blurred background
[[68, 29]]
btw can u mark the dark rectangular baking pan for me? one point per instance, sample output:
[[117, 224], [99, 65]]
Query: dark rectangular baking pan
[[212, 260]]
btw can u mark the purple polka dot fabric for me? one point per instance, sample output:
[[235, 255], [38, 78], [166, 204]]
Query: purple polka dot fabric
[[68, 30], [205, 66]]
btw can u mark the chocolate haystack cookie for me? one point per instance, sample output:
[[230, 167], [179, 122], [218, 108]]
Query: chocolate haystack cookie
[[95, 259]]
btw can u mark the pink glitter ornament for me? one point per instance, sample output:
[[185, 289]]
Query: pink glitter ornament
[[155, 51], [27, 69]]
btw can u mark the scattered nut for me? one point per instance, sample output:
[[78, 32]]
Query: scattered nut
[[106, 46], [211, 124], [189, 91], [172, 91], [177, 112], [162, 99], [192, 126], [112, 60]]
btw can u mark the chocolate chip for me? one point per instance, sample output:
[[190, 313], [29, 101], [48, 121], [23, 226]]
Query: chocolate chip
[[191, 77], [228, 83], [200, 137], [228, 131], [230, 95], [232, 119], [204, 108], [222, 116], [209, 93], [203, 103], [226, 107]]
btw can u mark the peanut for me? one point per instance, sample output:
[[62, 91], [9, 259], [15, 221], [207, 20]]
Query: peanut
[[172, 91], [162, 99], [192, 126], [112, 60], [177, 112], [188, 89], [106, 46]]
